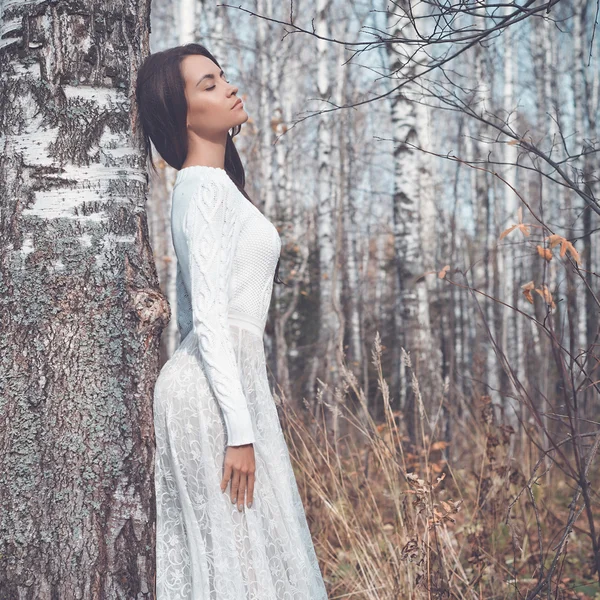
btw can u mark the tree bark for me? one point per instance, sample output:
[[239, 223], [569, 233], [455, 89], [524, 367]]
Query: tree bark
[[81, 310]]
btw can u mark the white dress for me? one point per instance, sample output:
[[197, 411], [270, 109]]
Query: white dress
[[214, 392]]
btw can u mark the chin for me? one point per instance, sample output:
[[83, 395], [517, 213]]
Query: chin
[[242, 117]]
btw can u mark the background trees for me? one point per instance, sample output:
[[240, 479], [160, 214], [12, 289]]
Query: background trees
[[433, 172]]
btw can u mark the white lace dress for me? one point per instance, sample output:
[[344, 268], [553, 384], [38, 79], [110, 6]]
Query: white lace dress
[[214, 392]]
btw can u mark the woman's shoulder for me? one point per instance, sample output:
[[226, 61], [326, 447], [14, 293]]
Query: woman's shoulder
[[201, 173], [205, 184]]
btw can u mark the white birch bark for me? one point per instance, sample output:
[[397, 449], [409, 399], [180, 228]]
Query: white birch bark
[[267, 68], [81, 311], [585, 321], [329, 325], [412, 317], [508, 274]]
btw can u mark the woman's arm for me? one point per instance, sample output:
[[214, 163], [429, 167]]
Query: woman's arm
[[209, 230]]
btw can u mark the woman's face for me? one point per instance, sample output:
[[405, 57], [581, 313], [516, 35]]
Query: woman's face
[[210, 99]]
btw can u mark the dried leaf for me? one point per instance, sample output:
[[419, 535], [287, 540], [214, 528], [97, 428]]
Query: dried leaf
[[546, 295], [507, 231], [443, 272], [439, 445], [554, 240], [527, 291], [565, 246], [545, 253], [571, 250]]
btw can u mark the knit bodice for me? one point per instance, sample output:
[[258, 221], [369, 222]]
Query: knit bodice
[[227, 251]]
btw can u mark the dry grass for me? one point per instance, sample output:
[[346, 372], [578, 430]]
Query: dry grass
[[390, 521]]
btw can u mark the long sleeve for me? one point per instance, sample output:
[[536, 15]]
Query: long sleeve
[[209, 228]]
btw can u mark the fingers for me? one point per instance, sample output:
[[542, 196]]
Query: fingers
[[235, 485], [250, 495], [242, 491], [226, 477], [239, 473], [242, 486]]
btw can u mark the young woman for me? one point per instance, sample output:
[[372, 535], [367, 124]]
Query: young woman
[[215, 419]]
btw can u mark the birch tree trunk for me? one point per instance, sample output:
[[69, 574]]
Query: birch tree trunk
[[412, 307], [586, 111], [289, 216], [81, 310], [484, 268], [329, 325], [507, 263]]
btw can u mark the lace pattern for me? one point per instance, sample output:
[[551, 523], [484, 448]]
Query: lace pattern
[[206, 548]]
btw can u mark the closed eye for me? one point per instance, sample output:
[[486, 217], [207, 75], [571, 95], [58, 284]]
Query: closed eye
[[214, 86]]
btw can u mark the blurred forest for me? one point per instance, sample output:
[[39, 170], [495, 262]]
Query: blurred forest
[[432, 169]]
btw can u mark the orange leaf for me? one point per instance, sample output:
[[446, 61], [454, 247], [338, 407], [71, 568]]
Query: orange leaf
[[443, 272], [546, 295], [565, 246], [520, 225], [439, 445], [571, 249], [507, 231], [524, 228], [545, 253], [527, 291], [554, 240]]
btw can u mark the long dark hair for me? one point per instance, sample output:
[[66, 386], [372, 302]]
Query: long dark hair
[[162, 114]]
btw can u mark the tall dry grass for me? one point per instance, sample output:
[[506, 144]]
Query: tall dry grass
[[394, 522]]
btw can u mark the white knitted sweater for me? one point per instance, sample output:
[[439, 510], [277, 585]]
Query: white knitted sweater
[[227, 251]]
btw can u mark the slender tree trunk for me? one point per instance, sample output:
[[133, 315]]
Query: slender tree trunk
[[324, 360], [511, 246], [412, 307]]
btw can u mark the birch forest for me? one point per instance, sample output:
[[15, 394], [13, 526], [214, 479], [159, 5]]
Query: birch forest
[[434, 351]]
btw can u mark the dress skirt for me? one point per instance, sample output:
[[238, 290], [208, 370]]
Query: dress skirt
[[205, 548]]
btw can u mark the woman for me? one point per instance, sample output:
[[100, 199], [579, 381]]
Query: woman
[[215, 419]]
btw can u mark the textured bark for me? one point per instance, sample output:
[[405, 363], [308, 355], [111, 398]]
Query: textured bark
[[287, 214], [412, 320], [510, 248], [325, 360], [586, 110], [267, 68], [80, 308]]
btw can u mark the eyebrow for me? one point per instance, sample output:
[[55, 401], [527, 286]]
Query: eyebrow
[[209, 76]]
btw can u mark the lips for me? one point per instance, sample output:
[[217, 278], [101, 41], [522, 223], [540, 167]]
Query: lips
[[237, 103]]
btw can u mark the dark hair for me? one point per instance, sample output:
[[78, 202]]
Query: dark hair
[[162, 114]]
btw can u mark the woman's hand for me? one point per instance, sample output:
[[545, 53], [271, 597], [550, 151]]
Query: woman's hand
[[239, 467]]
